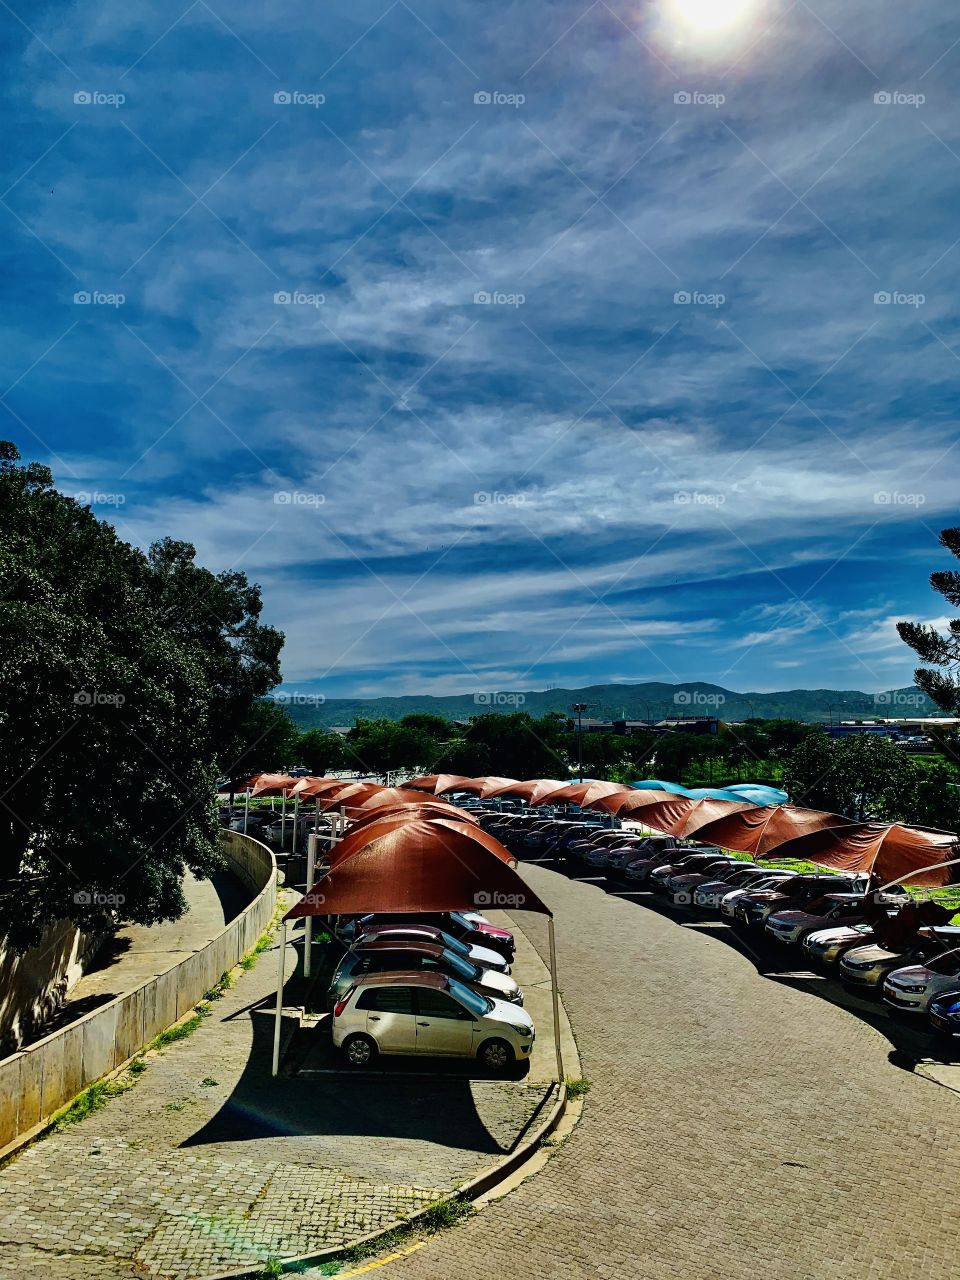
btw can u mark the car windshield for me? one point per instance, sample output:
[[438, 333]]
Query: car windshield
[[468, 972], [948, 964], [451, 943], [478, 1005]]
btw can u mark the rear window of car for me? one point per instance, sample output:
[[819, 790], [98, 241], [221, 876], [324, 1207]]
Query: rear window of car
[[386, 1000]]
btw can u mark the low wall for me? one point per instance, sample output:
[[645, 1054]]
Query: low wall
[[34, 984], [39, 1080]]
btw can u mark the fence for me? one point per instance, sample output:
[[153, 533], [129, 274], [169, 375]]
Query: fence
[[42, 1078]]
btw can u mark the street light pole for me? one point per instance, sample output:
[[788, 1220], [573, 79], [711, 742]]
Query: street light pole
[[579, 708]]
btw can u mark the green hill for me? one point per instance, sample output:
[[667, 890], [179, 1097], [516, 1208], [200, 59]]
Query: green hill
[[631, 702]]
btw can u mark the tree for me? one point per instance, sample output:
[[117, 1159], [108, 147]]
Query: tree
[[438, 728], [937, 801], [518, 746], [861, 776], [931, 645], [382, 746], [128, 682], [676, 752], [321, 752]]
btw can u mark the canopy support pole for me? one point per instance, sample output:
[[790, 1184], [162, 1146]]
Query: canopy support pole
[[278, 1014], [308, 921], [934, 866], [556, 1000], [296, 822], [283, 820], [246, 809]]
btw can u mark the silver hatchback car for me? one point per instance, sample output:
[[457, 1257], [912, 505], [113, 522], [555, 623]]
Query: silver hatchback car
[[429, 1014]]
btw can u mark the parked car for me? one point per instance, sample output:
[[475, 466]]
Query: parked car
[[387, 955], [709, 893], [944, 1012], [413, 932], [682, 886], [638, 870], [474, 930], [794, 893], [913, 987], [868, 965], [829, 946], [695, 861], [430, 1014], [833, 908]]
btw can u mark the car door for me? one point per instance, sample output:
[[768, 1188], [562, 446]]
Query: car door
[[444, 1027], [390, 1017]]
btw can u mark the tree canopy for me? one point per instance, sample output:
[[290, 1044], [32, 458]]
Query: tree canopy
[[128, 682], [932, 645]]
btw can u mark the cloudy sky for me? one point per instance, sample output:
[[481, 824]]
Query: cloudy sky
[[505, 345]]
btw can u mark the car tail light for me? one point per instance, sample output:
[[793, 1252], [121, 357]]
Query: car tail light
[[341, 1004]]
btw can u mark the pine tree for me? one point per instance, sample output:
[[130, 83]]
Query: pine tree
[[934, 647]]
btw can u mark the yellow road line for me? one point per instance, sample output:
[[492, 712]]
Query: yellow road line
[[381, 1262]]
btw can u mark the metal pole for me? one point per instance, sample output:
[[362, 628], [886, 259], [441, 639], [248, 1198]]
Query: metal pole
[[556, 1000], [278, 1015], [296, 821], [308, 921], [952, 862], [283, 819], [246, 809]]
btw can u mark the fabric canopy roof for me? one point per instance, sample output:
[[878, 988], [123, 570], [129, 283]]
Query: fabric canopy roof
[[392, 795], [351, 797], [889, 851], [531, 791], [457, 782], [425, 782], [427, 807], [683, 816], [582, 793], [626, 802], [275, 784], [393, 867], [317, 786], [760, 830], [654, 784]]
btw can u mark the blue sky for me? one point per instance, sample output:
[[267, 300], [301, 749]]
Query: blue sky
[[702, 428]]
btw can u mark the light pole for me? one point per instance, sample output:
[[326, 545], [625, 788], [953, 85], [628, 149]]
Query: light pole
[[579, 708]]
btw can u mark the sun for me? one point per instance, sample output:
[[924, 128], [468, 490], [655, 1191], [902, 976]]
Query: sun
[[712, 15]]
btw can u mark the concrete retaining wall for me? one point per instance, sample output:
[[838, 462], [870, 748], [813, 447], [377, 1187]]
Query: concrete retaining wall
[[41, 1079], [33, 985]]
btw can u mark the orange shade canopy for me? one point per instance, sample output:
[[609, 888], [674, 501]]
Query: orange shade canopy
[[271, 784], [391, 867], [474, 785], [393, 795], [426, 808], [425, 782], [760, 830], [683, 816], [583, 793], [350, 796], [315, 786], [531, 791], [889, 851], [625, 803]]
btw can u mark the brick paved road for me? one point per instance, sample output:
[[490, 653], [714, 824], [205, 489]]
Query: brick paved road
[[208, 1164], [737, 1127]]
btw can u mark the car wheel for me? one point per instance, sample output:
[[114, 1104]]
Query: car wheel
[[496, 1055], [359, 1051]]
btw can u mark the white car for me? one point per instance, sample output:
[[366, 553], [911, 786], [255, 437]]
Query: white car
[[913, 987], [429, 1014]]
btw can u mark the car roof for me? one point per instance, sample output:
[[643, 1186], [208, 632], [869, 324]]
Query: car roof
[[399, 944], [405, 977], [379, 930]]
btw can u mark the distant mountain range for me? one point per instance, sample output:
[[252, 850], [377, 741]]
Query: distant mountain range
[[625, 701]]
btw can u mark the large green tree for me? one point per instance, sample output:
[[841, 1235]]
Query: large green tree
[[861, 776], [933, 646], [320, 751], [127, 681]]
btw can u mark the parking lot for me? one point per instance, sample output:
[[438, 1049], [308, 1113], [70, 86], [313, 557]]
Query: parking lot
[[737, 1124]]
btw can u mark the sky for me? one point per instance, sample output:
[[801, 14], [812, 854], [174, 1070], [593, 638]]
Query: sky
[[507, 345]]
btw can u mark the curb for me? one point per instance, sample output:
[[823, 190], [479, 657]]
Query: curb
[[472, 1190]]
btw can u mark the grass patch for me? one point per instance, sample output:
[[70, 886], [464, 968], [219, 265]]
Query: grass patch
[[577, 1088], [181, 1030], [94, 1098], [435, 1217], [208, 1082], [272, 1267]]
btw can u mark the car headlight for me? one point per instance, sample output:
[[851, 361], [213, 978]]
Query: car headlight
[[914, 990], [525, 1033]]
